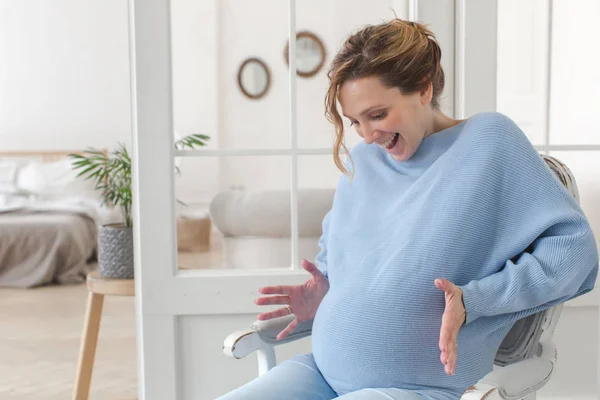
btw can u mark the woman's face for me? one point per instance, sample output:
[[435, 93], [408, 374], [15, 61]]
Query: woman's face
[[384, 116]]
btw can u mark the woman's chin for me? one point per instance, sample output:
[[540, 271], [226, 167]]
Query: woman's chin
[[400, 153]]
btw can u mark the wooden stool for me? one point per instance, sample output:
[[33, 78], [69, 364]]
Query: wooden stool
[[98, 287]]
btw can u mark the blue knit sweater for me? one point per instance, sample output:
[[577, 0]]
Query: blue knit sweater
[[475, 204]]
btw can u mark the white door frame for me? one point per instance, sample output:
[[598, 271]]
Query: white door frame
[[153, 183], [162, 292], [475, 56]]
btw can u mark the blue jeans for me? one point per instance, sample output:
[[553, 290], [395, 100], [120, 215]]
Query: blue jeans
[[300, 379]]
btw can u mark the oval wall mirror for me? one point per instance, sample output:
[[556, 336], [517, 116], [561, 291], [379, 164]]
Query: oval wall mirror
[[254, 78], [310, 54]]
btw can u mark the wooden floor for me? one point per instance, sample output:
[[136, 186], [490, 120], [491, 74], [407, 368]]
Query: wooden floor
[[40, 331]]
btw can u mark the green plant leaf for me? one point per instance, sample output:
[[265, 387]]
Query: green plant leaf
[[191, 141], [111, 172]]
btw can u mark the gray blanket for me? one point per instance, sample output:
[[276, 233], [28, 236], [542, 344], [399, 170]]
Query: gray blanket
[[45, 247]]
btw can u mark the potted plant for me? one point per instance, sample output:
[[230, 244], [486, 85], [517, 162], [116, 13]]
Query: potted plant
[[112, 175]]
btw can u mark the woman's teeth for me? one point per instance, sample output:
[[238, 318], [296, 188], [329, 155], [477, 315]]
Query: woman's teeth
[[388, 143]]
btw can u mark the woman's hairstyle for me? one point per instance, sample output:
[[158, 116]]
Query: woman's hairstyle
[[402, 54]]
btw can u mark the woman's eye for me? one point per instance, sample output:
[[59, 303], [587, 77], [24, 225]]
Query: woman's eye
[[352, 123], [379, 116]]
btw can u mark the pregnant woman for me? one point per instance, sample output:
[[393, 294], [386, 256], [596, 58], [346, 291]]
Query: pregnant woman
[[441, 235]]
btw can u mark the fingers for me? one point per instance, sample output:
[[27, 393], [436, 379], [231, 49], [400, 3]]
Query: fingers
[[288, 289], [448, 355], [280, 312], [448, 343], [289, 329], [311, 268], [280, 289], [444, 284], [450, 366], [448, 358], [265, 301]]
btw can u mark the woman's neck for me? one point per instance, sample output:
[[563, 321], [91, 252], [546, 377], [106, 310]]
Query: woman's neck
[[441, 121]]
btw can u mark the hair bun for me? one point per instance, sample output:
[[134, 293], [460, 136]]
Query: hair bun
[[422, 29]]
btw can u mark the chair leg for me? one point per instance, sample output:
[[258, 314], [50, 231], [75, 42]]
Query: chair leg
[[87, 351], [266, 359]]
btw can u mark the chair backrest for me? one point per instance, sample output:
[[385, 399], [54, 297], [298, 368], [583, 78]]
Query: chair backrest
[[522, 341]]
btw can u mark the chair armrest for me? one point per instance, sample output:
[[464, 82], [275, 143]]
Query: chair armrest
[[481, 391], [241, 343], [518, 380], [268, 330], [263, 333]]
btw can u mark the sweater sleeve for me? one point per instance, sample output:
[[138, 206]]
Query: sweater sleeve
[[561, 260], [321, 259], [560, 265]]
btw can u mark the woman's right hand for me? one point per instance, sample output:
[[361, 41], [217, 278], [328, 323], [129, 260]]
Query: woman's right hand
[[303, 300]]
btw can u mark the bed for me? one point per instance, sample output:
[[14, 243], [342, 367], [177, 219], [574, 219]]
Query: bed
[[48, 220]]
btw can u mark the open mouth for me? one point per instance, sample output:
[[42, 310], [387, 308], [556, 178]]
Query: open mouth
[[390, 143]]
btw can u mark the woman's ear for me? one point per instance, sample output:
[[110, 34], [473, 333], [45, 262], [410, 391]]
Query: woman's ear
[[426, 94]]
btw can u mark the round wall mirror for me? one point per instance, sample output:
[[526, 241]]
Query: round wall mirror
[[310, 54], [254, 78]]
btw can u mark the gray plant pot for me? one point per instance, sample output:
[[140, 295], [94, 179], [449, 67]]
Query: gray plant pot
[[115, 251]]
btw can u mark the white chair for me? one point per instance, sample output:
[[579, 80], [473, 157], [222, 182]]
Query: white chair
[[525, 360]]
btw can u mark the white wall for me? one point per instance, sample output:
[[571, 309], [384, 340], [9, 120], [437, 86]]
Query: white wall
[[64, 75]]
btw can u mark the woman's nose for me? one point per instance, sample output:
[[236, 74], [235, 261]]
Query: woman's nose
[[371, 136]]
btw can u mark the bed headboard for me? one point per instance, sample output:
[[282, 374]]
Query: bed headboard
[[45, 155]]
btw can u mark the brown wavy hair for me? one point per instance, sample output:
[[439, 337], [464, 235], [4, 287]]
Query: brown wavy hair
[[403, 54]]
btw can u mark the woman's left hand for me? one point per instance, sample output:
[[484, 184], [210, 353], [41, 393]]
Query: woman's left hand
[[453, 318]]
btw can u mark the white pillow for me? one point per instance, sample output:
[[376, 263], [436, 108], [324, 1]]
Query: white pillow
[[56, 179], [8, 176]]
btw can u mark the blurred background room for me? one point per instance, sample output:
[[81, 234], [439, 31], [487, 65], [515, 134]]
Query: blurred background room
[[66, 76]]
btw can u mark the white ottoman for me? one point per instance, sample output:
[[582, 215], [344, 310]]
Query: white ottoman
[[256, 225]]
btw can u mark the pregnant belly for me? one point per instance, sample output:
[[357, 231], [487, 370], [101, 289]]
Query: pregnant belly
[[378, 339]]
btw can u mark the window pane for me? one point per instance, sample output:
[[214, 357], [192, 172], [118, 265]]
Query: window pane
[[574, 117], [194, 51], [249, 202], [585, 167], [317, 171], [196, 184], [318, 178], [214, 53]]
